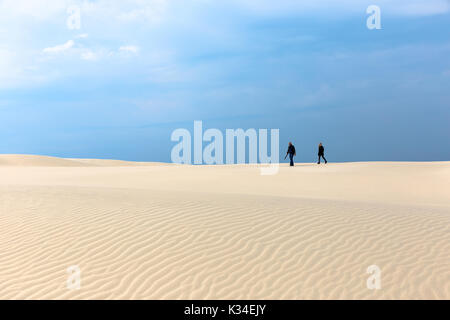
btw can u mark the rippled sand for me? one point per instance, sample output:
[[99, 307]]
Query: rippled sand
[[156, 231]]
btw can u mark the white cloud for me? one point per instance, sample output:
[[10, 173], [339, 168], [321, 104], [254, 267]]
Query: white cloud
[[60, 48], [344, 7], [421, 8], [110, 23], [149, 11], [35, 9], [46, 10], [154, 11], [89, 55], [129, 49], [17, 68]]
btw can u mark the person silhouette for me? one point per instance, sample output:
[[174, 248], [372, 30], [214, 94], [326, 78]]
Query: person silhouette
[[291, 152], [321, 153]]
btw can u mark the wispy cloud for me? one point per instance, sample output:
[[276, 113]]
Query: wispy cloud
[[120, 29], [129, 49], [89, 55], [39, 10], [344, 7], [421, 8], [59, 48]]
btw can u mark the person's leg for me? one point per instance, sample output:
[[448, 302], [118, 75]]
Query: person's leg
[[324, 159], [318, 162], [291, 157]]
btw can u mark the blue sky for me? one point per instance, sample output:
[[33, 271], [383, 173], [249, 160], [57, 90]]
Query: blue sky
[[137, 70]]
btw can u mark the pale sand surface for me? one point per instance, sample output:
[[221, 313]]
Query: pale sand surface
[[164, 231]]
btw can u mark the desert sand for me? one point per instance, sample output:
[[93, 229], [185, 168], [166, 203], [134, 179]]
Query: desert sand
[[165, 231]]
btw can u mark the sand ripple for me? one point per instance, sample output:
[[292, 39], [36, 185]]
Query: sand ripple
[[141, 244]]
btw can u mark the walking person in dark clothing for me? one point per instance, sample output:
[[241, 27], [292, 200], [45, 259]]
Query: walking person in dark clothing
[[291, 152], [321, 153]]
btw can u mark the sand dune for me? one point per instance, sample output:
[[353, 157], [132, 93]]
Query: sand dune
[[223, 232], [20, 160]]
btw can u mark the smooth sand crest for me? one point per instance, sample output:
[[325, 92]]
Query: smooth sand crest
[[223, 232], [21, 160]]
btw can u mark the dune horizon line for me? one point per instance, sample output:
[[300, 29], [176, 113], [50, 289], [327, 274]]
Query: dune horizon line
[[25, 159]]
